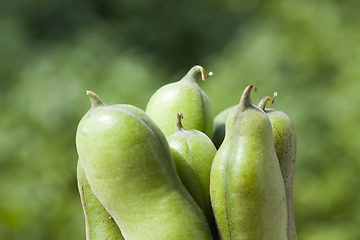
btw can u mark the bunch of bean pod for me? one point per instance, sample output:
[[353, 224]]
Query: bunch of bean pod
[[174, 171]]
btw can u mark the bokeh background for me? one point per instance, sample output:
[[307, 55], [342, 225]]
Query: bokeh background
[[52, 51]]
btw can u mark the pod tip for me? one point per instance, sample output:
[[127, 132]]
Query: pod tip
[[180, 115], [245, 97], [178, 124], [95, 100], [194, 70], [209, 75], [268, 99]]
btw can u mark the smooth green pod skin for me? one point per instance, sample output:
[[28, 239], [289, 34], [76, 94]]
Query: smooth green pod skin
[[193, 153], [218, 134], [246, 187], [130, 168], [98, 222], [284, 136], [183, 96]]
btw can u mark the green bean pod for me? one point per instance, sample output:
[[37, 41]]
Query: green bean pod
[[284, 136], [130, 168], [194, 152], [183, 96], [246, 187], [98, 222]]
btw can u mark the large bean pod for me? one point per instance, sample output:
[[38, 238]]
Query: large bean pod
[[246, 186], [284, 136], [194, 152], [129, 166]]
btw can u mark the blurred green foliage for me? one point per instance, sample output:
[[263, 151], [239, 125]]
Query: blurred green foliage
[[52, 51]]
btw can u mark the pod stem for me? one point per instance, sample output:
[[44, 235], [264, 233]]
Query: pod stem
[[191, 75], [268, 99], [95, 100], [178, 124], [245, 97]]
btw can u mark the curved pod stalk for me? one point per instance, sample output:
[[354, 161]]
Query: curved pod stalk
[[193, 153], [183, 96], [129, 166], [284, 136], [246, 186], [98, 222]]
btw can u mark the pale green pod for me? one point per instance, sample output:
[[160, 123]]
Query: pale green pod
[[284, 136], [99, 224], [130, 168], [193, 153], [246, 186], [218, 134], [183, 96]]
